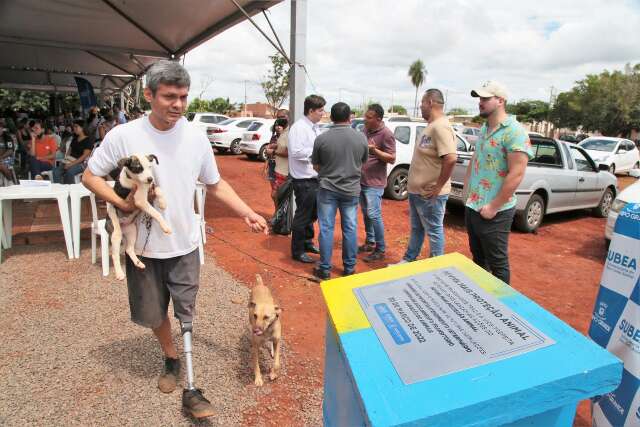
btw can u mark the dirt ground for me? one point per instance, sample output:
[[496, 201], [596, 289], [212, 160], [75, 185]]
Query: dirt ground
[[559, 268]]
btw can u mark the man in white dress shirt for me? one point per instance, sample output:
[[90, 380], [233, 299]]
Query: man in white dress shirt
[[302, 134]]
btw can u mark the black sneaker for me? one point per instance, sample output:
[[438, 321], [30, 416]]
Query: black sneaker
[[367, 247], [195, 403], [169, 378], [321, 274], [374, 256]]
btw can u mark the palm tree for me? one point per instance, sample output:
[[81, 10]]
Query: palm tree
[[417, 74]]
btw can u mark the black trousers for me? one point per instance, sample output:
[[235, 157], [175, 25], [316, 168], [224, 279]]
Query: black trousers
[[489, 241], [305, 191]]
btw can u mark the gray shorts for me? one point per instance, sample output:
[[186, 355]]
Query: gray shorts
[[151, 288]]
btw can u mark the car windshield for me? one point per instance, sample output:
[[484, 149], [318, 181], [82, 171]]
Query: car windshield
[[190, 116], [599, 145], [227, 122]]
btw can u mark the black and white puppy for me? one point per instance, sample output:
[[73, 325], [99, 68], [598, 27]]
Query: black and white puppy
[[133, 171]]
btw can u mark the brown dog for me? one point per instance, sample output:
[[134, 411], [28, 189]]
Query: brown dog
[[264, 319]]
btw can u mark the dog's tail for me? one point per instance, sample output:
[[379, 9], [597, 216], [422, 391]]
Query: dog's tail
[[259, 280]]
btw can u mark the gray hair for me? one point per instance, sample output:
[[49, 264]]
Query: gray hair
[[435, 95], [169, 73]]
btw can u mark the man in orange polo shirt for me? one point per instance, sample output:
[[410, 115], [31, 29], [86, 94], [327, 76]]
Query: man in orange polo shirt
[[42, 150]]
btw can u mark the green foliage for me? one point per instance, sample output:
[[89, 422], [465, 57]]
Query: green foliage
[[608, 102], [23, 100], [529, 111], [417, 74], [28, 100], [458, 111], [217, 105], [276, 82], [398, 109]]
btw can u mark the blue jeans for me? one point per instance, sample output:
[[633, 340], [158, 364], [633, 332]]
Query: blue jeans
[[371, 204], [36, 167], [328, 203], [426, 216], [62, 176]]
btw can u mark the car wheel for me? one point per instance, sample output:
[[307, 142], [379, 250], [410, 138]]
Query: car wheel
[[262, 154], [602, 210], [612, 168], [529, 220], [397, 184], [235, 146], [636, 165]]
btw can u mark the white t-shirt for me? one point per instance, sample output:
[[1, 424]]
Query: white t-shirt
[[184, 156]]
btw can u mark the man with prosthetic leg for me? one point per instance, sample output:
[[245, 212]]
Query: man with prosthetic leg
[[171, 270]]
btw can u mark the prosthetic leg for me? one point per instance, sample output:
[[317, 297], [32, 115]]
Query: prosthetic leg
[[187, 329], [192, 399]]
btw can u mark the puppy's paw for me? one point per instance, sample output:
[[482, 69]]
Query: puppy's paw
[[273, 375], [120, 276], [258, 381], [140, 265], [166, 230], [162, 205]]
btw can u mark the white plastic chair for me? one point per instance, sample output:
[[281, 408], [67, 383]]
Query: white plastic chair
[[201, 194], [98, 229]]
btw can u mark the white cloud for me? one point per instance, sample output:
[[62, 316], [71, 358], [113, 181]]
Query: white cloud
[[362, 50]]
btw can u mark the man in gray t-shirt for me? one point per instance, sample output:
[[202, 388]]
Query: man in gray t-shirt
[[338, 155]]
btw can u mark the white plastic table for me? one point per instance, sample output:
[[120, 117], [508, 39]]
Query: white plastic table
[[58, 192], [76, 193]]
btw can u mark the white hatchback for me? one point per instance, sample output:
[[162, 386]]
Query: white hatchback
[[620, 155], [631, 194], [256, 138]]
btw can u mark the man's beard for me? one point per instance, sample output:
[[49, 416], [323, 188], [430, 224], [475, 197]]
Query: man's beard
[[485, 114]]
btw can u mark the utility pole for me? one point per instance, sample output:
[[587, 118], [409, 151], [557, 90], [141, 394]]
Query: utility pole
[[244, 108], [391, 102], [551, 90]]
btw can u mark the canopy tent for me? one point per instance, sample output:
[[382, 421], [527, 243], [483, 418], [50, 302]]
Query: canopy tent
[[44, 44]]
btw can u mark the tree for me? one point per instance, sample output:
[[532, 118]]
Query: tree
[[398, 109], [221, 105], [23, 100], [529, 111], [417, 73], [458, 111], [608, 102], [276, 83], [198, 106]]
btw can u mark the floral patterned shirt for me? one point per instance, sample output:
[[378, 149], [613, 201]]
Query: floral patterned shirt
[[490, 166]]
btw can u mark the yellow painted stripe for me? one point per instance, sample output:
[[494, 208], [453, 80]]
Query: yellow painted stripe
[[345, 311]]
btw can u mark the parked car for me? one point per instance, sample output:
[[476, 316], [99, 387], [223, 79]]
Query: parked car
[[471, 134], [226, 136], [631, 194], [206, 120], [560, 177], [326, 126], [406, 134], [256, 138], [357, 123], [569, 138], [618, 154]]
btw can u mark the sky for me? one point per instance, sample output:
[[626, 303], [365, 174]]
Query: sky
[[360, 50]]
